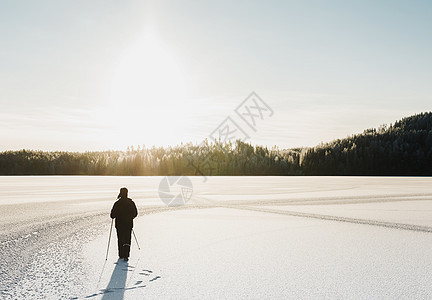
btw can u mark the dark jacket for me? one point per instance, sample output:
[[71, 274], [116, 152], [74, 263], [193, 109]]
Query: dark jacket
[[124, 211]]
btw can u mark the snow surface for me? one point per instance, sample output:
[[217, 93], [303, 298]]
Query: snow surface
[[238, 237]]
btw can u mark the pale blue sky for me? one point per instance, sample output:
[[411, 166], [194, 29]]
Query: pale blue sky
[[95, 75]]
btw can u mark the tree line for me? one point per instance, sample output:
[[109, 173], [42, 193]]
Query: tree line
[[404, 148]]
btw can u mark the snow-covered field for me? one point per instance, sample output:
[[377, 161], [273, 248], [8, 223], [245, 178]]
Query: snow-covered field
[[238, 237]]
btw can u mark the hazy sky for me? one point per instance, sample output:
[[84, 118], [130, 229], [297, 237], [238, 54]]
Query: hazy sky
[[96, 75]]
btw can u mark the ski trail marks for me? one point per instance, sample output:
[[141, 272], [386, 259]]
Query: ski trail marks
[[393, 225]]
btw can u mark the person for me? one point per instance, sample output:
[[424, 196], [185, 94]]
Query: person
[[124, 211]]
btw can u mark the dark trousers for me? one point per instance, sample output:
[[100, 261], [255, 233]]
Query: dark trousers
[[124, 241]]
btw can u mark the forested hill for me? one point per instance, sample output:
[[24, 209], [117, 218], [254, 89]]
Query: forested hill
[[404, 148]]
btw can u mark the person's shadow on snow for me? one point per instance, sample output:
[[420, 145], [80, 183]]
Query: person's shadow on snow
[[116, 286]]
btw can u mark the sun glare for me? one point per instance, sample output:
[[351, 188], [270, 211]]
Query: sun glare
[[149, 83]]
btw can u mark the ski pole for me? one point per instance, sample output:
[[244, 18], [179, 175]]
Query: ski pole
[[109, 239], [136, 239]]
